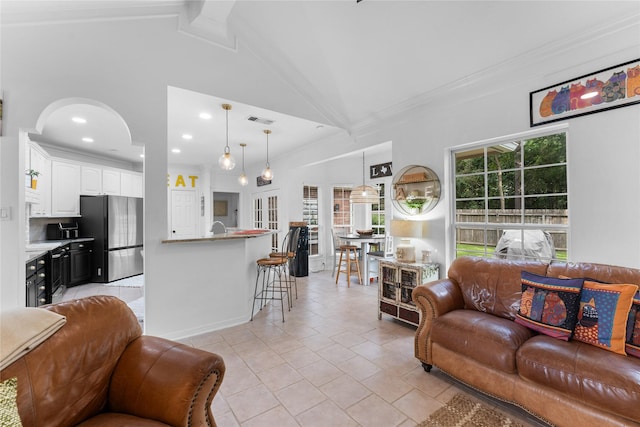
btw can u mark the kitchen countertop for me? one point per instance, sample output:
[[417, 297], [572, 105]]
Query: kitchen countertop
[[234, 235], [36, 249]]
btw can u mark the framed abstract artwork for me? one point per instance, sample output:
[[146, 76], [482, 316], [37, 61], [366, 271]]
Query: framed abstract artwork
[[603, 90]]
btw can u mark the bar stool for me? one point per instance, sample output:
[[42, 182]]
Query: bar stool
[[346, 250], [289, 252], [279, 291]]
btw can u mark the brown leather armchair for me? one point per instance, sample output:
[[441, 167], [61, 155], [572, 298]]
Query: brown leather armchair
[[98, 370]]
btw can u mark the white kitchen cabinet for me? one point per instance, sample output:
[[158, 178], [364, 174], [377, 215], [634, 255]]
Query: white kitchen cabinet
[[91, 180], [111, 182], [131, 184], [39, 161], [65, 188]]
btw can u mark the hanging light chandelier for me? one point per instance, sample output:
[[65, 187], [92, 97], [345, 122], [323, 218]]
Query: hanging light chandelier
[[364, 193], [226, 160], [266, 172], [242, 179]]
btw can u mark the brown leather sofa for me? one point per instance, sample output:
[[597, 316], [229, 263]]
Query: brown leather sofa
[[98, 370], [467, 331]]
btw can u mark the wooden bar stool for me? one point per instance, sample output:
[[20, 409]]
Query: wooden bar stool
[[347, 250], [272, 283]]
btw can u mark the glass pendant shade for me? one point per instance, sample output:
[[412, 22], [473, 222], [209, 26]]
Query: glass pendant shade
[[242, 179], [364, 194], [226, 161], [266, 172]]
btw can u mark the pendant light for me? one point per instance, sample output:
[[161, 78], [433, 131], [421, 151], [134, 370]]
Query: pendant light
[[266, 172], [242, 179], [226, 161], [364, 193]]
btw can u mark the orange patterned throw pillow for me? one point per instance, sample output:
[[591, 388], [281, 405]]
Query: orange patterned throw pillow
[[603, 315]]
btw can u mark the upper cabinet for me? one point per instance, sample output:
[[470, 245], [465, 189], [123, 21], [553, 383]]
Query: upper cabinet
[[60, 183], [416, 190], [41, 184], [114, 182], [131, 184], [65, 188], [91, 181]]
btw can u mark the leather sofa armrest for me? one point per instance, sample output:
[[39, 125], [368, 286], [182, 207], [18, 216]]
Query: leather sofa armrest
[[433, 299], [166, 381]]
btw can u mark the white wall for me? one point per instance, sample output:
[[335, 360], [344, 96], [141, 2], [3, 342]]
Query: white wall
[[129, 67]]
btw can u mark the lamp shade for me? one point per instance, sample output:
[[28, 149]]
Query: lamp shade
[[406, 228], [364, 194]]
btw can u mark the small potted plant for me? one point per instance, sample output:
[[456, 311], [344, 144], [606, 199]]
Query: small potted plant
[[33, 177]]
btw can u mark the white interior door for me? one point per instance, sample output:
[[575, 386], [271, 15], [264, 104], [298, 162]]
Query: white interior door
[[183, 214], [266, 213]]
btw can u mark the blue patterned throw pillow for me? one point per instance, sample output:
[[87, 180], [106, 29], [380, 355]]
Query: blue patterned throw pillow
[[549, 305]]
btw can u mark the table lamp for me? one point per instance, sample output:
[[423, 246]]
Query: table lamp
[[405, 252]]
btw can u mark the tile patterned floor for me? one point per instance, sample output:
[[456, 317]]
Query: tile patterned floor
[[331, 363]]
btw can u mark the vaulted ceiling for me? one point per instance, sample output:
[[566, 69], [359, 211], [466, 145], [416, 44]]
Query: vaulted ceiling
[[360, 62]]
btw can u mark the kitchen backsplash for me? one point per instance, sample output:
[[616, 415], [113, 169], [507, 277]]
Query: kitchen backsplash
[[38, 227]]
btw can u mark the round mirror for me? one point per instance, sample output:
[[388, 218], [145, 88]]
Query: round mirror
[[416, 190]]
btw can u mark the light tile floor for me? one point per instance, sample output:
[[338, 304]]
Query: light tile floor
[[331, 363]]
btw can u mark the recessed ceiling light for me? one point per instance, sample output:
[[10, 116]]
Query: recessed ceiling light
[[205, 116], [142, 156], [175, 150], [187, 136], [87, 139], [79, 120]]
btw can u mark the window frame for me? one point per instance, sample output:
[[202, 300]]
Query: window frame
[[450, 162], [314, 229]]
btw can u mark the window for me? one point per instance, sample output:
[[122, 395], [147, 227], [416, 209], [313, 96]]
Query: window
[[377, 213], [511, 198], [342, 214], [310, 215]]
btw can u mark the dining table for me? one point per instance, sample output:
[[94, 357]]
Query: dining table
[[365, 240]]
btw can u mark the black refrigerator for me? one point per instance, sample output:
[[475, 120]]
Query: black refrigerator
[[115, 222]]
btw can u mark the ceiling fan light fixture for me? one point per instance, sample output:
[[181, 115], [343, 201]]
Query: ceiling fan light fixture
[[226, 160]]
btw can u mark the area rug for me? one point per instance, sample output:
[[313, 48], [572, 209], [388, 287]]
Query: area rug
[[129, 282], [462, 411]]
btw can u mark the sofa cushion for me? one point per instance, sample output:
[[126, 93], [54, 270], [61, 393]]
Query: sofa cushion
[[586, 373], [633, 328], [604, 310], [492, 285], [549, 305], [488, 339]]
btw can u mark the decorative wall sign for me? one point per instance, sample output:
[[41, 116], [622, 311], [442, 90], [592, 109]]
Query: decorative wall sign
[[381, 170], [261, 181], [603, 90]]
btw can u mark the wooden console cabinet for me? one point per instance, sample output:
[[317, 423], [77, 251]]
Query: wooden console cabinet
[[396, 282]]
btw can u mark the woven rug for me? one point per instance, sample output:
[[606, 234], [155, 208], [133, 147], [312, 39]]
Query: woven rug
[[461, 411]]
